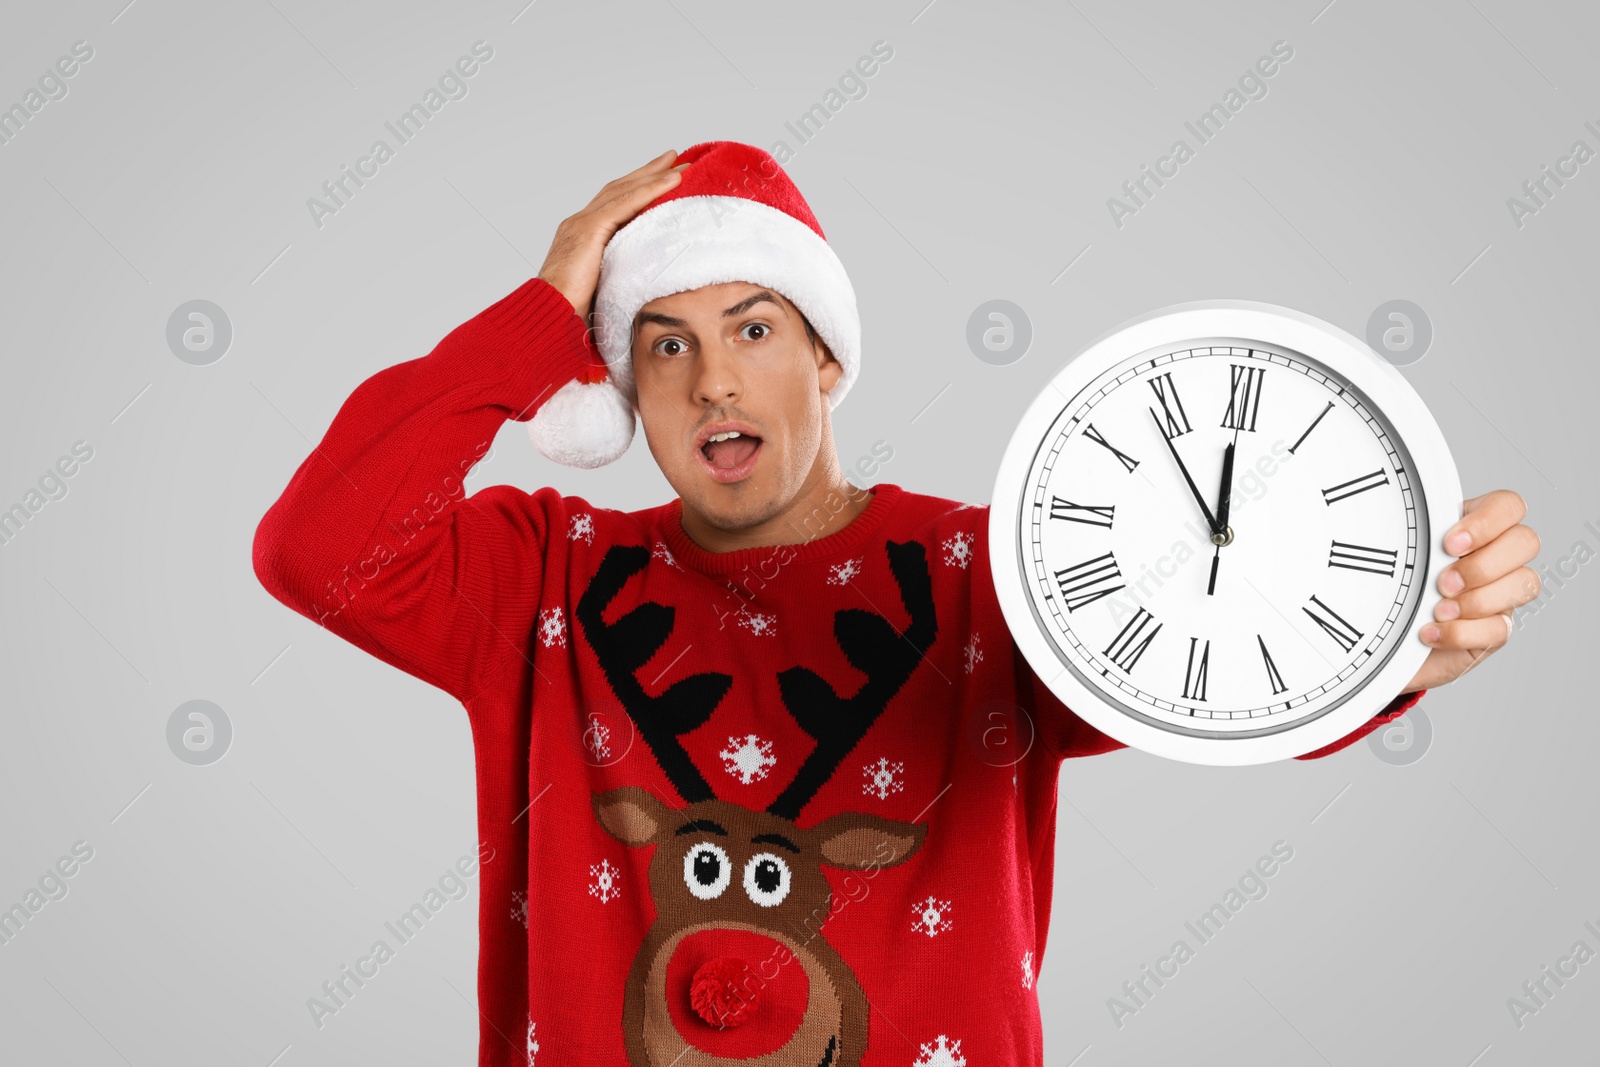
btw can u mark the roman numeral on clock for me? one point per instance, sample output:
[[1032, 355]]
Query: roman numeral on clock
[[1131, 641], [1361, 558], [1274, 679], [1094, 435], [1346, 490], [1167, 393], [1194, 675], [1334, 625], [1244, 397], [1061, 508], [1089, 581]]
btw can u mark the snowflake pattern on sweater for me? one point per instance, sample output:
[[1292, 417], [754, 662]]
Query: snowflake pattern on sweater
[[841, 573], [958, 549], [552, 628], [883, 778], [604, 883], [759, 623], [932, 916], [971, 654], [663, 553], [941, 1052], [597, 739], [748, 758]]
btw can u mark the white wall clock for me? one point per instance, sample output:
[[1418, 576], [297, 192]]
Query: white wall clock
[[1215, 533]]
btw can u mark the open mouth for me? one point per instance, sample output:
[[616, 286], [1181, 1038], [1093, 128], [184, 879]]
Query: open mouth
[[730, 456]]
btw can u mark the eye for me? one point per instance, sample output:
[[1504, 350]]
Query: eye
[[766, 879], [670, 346], [706, 871], [762, 328]]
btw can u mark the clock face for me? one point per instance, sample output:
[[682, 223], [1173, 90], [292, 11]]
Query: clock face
[[1317, 575], [1218, 540]]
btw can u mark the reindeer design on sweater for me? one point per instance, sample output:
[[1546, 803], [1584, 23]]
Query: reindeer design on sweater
[[734, 970]]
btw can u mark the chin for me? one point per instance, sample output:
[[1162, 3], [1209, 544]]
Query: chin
[[730, 507]]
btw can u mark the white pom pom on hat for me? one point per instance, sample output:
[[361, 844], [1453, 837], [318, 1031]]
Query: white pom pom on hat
[[585, 423], [734, 217]]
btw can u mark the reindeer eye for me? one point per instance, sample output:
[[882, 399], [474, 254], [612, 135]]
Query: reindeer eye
[[707, 871], [766, 879]]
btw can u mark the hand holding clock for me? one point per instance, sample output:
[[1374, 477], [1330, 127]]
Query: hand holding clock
[[1488, 581]]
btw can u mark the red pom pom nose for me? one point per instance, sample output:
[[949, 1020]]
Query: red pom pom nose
[[736, 994], [721, 993]]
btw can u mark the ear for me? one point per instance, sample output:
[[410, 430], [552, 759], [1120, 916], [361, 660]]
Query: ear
[[632, 815], [829, 369], [855, 841]]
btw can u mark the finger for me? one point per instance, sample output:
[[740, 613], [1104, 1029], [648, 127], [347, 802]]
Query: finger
[[1488, 633], [1504, 594], [634, 181], [660, 163], [1444, 666], [1490, 563], [1486, 518], [615, 205], [628, 200]]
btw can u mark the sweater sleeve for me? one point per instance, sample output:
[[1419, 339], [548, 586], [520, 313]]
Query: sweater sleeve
[[1062, 733], [374, 537], [1396, 708]]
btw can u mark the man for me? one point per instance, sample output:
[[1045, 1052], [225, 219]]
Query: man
[[732, 751]]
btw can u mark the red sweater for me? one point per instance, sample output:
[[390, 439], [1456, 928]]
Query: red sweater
[[766, 801]]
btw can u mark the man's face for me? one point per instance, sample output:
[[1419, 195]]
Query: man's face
[[738, 354]]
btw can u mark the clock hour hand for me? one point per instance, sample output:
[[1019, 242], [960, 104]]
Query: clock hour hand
[[1205, 509], [1224, 534], [1225, 494]]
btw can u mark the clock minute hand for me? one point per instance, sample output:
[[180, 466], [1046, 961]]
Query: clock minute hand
[[1205, 509]]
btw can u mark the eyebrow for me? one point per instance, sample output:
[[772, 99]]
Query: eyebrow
[[775, 839], [679, 324], [708, 826], [749, 302], [656, 317]]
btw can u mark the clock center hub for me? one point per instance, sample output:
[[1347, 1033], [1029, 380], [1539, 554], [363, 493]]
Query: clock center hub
[[1223, 539]]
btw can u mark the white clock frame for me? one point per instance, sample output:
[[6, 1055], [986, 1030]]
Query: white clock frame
[[1435, 479]]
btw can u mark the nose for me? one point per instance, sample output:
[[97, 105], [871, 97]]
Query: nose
[[717, 379], [722, 992], [735, 993]]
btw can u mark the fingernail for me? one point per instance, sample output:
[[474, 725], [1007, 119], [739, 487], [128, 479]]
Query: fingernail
[[1447, 610], [1458, 542], [1430, 634], [1451, 583]]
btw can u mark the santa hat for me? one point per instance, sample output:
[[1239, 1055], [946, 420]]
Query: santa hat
[[734, 217]]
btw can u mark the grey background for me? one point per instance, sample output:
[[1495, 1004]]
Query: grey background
[[977, 167]]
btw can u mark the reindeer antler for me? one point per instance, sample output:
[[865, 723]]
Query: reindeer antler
[[886, 656], [624, 646]]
